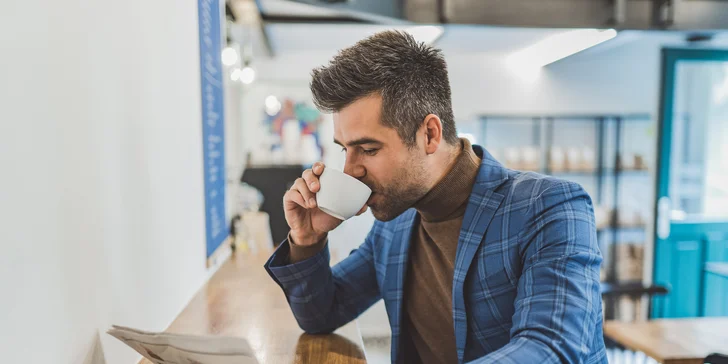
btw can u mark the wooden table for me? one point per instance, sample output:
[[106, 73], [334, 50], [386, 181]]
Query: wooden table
[[673, 341], [241, 300]]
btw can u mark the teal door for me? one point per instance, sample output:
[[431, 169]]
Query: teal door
[[691, 225]]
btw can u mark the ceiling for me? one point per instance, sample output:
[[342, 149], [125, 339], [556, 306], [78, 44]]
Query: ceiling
[[620, 14], [288, 8], [292, 38], [285, 28]]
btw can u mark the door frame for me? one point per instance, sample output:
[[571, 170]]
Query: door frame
[[669, 59]]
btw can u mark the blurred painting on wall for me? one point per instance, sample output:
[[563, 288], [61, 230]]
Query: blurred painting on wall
[[293, 129]]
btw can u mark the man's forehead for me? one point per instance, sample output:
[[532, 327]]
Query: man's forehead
[[347, 123], [358, 120], [365, 111]]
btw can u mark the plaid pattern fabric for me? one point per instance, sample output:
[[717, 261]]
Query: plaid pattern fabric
[[526, 280]]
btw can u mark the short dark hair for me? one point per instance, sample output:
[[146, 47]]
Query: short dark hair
[[410, 76]]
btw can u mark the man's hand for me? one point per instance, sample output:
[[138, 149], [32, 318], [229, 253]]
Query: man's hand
[[309, 225]]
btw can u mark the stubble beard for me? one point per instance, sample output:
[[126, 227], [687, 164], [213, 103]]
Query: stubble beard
[[403, 191]]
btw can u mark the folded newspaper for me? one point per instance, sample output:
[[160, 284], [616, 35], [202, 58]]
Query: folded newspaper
[[164, 348]]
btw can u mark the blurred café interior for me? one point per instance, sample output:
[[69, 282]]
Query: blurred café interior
[[134, 187]]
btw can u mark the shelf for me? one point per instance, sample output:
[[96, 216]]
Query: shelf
[[589, 173], [631, 288], [636, 228], [606, 172], [640, 243], [557, 117], [645, 172]]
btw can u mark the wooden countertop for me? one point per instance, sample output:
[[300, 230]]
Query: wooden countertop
[[673, 341], [241, 300]]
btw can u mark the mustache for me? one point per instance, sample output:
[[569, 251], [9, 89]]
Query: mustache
[[372, 185]]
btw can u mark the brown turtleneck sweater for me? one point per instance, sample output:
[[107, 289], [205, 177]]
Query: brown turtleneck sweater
[[428, 287]]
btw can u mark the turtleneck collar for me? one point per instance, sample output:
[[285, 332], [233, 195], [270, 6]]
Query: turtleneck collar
[[448, 199]]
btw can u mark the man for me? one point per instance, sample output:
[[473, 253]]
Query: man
[[475, 262]]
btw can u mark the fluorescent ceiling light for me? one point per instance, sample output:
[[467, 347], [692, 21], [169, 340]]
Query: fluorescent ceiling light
[[559, 46], [426, 33]]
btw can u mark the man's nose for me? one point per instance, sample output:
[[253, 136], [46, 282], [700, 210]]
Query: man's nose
[[355, 170]]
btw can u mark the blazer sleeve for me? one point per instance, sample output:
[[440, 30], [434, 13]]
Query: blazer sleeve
[[324, 298]]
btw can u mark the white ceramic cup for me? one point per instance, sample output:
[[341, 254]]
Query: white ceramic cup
[[341, 195]]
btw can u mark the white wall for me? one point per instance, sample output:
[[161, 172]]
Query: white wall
[[101, 192]]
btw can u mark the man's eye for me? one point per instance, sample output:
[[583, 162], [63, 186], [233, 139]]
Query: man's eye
[[343, 149], [370, 151]]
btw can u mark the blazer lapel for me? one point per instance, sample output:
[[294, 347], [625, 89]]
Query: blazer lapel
[[482, 206], [395, 276]]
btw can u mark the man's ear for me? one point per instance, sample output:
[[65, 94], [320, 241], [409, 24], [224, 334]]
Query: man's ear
[[432, 129]]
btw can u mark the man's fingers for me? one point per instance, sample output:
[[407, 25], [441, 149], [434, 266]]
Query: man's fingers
[[295, 197], [308, 196], [318, 168], [312, 181]]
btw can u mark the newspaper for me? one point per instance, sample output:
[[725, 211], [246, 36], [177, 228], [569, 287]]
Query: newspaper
[[164, 348]]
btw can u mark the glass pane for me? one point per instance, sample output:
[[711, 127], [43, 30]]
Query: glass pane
[[699, 160]]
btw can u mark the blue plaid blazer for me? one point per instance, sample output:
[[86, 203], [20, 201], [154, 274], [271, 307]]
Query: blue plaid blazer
[[526, 280]]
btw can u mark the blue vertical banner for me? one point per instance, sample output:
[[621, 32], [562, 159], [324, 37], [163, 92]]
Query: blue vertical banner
[[213, 123]]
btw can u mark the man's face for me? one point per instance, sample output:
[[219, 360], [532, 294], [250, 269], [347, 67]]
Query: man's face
[[377, 156]]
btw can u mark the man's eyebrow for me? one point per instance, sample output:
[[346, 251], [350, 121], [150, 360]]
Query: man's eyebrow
[[359, 141]]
